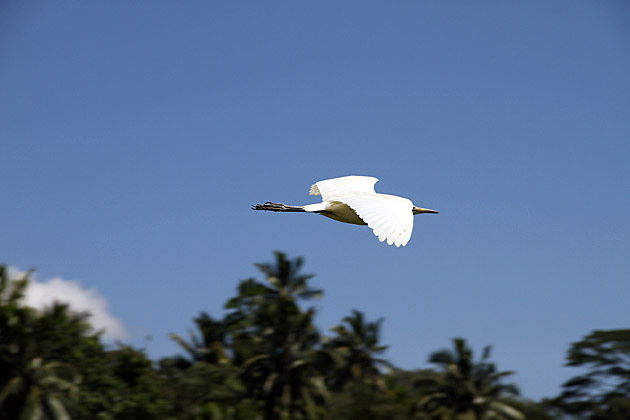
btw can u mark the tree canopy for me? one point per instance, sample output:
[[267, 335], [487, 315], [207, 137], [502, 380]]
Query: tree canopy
[[603, 391], [264, 358]]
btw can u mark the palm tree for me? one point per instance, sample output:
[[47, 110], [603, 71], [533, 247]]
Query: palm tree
[[209, 345], [603, 388], [286, 369], [276, 340], [467, 389], [208, 383], [356, 345], [41, 391], [33, 383], [265, 347], [286, 280], [16, 324]]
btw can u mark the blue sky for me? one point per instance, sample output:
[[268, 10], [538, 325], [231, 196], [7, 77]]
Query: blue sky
[[136, 135]]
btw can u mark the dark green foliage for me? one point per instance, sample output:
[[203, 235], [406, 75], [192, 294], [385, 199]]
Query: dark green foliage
[[33, 382], [355, 345], [39, 390], [362, 401], [266, 360], [209, 346], [139, 386], [206, 391], [16, 326], [603, 392], [53, 366], [467, 389], [272, 340]]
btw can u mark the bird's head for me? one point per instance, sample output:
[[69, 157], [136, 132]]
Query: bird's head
[[420, 210]]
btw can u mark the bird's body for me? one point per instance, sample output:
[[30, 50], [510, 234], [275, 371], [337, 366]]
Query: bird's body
[[337, 211], [352, 199]]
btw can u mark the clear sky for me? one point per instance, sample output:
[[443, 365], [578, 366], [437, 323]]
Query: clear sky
[[134, 136]]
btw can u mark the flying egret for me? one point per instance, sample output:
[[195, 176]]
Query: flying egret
[[352, 199]]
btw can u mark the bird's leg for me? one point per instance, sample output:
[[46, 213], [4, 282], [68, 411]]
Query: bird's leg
[[269, 206]]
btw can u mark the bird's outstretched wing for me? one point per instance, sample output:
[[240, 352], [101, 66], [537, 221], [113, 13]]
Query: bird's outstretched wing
[[390, 217], [331, 189]]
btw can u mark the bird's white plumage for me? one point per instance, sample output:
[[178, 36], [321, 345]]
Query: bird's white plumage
[[389, 217], [352, 199], [331, 189]]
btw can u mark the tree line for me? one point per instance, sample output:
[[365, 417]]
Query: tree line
[[265, 359]]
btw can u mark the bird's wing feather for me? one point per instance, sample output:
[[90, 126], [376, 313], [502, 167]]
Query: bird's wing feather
[[331, 189], [390, 217]]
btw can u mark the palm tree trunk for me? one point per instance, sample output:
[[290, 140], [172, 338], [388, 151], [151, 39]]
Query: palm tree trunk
[[269, 407], [478, 413]]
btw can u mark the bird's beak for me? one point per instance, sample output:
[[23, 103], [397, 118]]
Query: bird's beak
[[419, 210]]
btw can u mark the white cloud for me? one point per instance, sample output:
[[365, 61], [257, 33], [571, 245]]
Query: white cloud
[[42, 294]]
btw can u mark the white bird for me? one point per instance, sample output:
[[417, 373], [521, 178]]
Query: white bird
[[352, 199]]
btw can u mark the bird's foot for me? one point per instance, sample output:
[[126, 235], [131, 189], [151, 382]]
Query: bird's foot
[[269, 206]]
